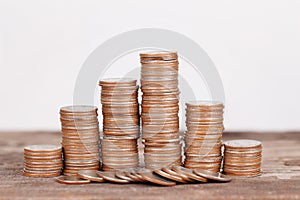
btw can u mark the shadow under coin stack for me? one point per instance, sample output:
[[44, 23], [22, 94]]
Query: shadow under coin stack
[[242, 158], [80, 138], [203, 138], [120, 109], [42, 160], [160, 121]]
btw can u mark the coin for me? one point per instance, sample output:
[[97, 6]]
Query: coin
[[216, 176], [43, 175], [174, 173], [43, 148], [122, 175], [242, 144], [133, 176], [90, 175], [189, 173], [71, 180], [153, 178], [110, 176], [169, 176], [117, 82]]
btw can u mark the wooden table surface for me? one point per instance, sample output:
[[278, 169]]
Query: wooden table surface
[[280, 179]]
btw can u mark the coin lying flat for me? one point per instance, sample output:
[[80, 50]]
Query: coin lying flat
[[90, 175], [153, 178], [216, 176], [189, 173], [71, 180], [111, 177], [42, 148]]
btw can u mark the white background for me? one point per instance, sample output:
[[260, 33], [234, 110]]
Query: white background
[[255, 46]]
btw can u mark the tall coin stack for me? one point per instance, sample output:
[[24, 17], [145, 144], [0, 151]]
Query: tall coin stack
[[242, 158], [203, 138], [120, 109], [160, 121], [42, 160], [80, 138]]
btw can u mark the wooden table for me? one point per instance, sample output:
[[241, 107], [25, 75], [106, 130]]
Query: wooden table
[[280, 179]]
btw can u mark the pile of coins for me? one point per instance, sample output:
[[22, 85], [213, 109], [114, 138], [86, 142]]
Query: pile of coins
[[163, 177], [119, 153], [242, 158], [203, 138], [42, 160], [160, 121], [120, 107], [80, 138]]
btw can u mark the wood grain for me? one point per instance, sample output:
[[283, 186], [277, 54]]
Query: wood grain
[[280, 179]]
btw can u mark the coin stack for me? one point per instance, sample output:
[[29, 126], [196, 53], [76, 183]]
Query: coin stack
[[80, 138], [119, 153], [120, 108], [203, 138], [160, 121], [242, 158], [42, 160]]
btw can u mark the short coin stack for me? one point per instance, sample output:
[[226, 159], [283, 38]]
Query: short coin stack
[[242, 158], [203, 138], [160, 121], [118, 154], [80, 138], [120, 109], [42, 160]]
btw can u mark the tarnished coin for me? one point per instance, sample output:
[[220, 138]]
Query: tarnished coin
[[71, 180], [90, 175], [216, 176], [110, 176]]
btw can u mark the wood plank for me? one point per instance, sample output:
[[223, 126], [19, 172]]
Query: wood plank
[[280, 180]]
